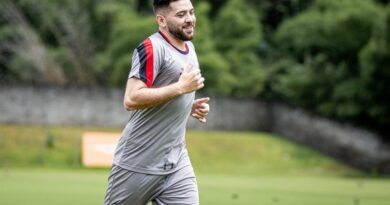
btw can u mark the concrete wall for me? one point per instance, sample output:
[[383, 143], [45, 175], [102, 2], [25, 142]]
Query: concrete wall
[[103, 107], [355, 146], [62, 106]]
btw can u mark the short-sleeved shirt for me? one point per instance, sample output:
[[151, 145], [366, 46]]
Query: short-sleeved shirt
[[153, 141]]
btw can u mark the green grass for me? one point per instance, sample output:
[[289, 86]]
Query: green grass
[[293, 190], [42, 146], [41, 165], [211, 152], [87, 187], [248, 153]]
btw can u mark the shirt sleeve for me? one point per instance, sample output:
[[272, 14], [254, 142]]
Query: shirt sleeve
[[146, 62]]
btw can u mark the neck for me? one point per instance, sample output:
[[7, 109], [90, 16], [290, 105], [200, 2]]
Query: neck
[[175, 41]]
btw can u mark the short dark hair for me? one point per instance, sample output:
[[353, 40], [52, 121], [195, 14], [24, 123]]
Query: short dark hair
[[161, 4]]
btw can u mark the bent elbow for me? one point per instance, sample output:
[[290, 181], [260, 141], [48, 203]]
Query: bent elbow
[[129, 105]]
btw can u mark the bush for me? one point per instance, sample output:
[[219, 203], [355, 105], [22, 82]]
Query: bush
[[374, 75], [327, 44], [237, 34]]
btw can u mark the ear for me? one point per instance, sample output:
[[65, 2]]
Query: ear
[[162, 22]]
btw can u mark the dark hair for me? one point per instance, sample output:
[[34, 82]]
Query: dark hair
[[161, 4]]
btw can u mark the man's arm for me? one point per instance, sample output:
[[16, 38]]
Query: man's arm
[[139, 96]]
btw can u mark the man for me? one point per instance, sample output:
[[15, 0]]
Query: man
[[151, 162]]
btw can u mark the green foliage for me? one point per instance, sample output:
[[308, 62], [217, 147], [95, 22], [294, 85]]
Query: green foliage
[[237, 35], [236, 29], [214, 67], [337, 29], [274, 12], [45, 31], [324, 43], [310, 85], [375, 73], [128, 30], [328, 56]]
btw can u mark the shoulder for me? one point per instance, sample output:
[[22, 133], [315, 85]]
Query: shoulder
[[152, 44], [157, 41], [153, 40]]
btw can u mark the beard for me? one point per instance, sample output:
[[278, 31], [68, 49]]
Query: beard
[[179, 33]]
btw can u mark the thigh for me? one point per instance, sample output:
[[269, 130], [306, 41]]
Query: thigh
[[179, 187], [130, 188]]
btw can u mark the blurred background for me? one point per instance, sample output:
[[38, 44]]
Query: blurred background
[[299, 98]]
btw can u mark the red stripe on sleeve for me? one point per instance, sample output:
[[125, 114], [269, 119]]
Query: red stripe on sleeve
[[149, 62]]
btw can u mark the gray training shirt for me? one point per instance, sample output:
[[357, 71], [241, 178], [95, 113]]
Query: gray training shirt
[[153, 141]]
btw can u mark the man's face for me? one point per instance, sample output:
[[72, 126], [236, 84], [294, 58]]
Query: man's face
[[181, 20]]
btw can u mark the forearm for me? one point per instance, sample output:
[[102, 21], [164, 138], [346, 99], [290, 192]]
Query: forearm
[[145, 97], [139, 96]]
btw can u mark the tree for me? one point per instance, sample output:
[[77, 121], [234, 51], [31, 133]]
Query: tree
[[237, 33], [29, 52], [375, 73], [337, 29], [214, 67], [273, 12], [324, 44], [127, 30], [51, 41]]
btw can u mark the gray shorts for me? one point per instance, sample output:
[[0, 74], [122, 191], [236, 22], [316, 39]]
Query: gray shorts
[[131, 188]]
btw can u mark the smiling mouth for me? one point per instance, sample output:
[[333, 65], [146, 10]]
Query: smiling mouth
[[188, 29]]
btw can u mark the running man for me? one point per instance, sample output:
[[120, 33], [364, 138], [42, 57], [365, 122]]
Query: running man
[[151, 162]]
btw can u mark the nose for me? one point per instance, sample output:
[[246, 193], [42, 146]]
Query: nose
[[189, 19]]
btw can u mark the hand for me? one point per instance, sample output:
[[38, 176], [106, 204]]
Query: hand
[[190, 80], [200, 109]]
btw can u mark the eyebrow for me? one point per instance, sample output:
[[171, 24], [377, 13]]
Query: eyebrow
[[184, 11]]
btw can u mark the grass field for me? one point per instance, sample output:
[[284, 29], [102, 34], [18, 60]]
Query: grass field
[[211, 152], [86, 187], [41, 165]]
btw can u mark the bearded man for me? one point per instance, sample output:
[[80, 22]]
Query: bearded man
[[151, 162]]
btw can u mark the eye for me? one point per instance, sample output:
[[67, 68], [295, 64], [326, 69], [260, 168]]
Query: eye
[[181, 14]]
